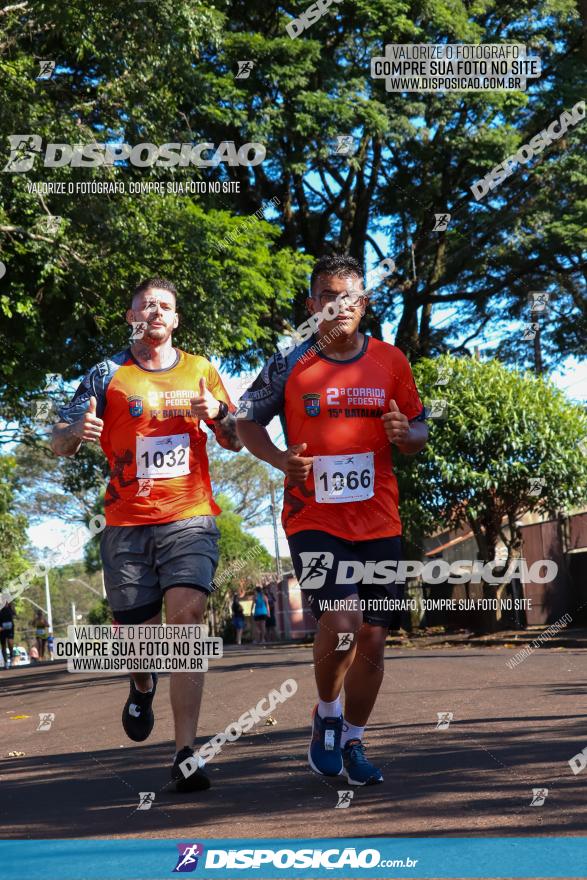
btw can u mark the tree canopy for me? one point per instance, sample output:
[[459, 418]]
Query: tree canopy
[[166, 72], [508, 443]]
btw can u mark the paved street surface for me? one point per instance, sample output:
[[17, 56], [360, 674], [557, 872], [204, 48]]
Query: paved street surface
[[513, 730]]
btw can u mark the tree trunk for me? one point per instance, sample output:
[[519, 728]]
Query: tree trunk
[[406, 337], [424, 338], [435, 274], [363, 200]]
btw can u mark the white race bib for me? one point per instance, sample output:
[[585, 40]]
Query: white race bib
[[162, 457], [342, 478]]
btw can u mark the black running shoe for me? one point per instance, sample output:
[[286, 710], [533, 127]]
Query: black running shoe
[[196, 780], [137, 716]]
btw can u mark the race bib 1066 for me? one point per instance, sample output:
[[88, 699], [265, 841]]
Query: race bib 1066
[[344, 478], [161, 457]]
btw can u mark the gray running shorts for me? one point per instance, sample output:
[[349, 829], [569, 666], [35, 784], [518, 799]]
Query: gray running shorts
[[141, 562]]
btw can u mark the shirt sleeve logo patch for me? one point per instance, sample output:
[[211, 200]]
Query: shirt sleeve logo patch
[[312, 404], [135, 406]]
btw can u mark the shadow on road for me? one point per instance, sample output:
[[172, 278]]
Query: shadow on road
[[262, 786]]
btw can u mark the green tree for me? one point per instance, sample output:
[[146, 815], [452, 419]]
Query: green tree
[[246, 481], [13, 536], [50, 486], [64, 291], [100, 613], [242, 558], [234, 543], [503, 430], [73, 282]]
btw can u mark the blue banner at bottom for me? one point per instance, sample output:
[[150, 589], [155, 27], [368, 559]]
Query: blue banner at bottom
[[375, 857]]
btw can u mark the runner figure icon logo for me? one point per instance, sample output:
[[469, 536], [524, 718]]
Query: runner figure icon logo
[[539, 795], [46, 69], [444, 719], [144, 488], [244, 409], [344, 799], [146, 799], [441, 222], [244, 69], [315, 567], [187, 861], [46, 719]]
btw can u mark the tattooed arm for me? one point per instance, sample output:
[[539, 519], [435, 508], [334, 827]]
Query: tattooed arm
[[225, 432], [207, 408]]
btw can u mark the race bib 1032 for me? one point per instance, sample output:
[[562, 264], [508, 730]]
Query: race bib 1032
[[163, 457]]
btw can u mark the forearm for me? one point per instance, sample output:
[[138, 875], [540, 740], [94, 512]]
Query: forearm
[[226, 434], [416, 439], [63, 440], [256, 439]]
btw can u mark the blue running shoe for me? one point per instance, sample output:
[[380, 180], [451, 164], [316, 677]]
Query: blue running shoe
[[324, 754], [359, 771]]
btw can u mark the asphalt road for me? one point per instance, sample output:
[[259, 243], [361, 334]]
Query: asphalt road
[[512, 731]]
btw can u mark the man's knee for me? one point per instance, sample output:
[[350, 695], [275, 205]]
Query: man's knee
[[185, 605], [341, 622], [188, 615], [371, 641]]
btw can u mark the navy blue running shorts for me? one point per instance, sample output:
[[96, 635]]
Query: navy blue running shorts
[[323, 562]]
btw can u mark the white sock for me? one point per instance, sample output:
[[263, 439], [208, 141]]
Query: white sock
[[349, 731], [330, 710]]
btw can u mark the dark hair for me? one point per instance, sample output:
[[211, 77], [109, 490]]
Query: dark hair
[[335, 264], [161, 283]]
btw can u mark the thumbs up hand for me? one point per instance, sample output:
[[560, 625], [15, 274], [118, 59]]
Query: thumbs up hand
[[296, 466], [89, 427], [204, 405], [396, 424]]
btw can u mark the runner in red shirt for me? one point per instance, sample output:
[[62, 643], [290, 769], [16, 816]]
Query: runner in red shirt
[[144, 406], [343, 399]]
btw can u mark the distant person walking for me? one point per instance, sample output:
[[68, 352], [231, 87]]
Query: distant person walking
[[260, 616], [7, 634], [238, 618], [41, 627], [271, 624]]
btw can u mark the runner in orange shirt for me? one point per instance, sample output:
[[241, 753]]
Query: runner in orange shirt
[[144, 406], [343, 399]]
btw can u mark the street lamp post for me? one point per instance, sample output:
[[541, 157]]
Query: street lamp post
[[48, 604], [40, 607], [85, 584], [275, 536]]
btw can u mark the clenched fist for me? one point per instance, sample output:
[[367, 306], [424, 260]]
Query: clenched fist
[[295, 466], [89, 427], [204, 406], [396, 424]]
